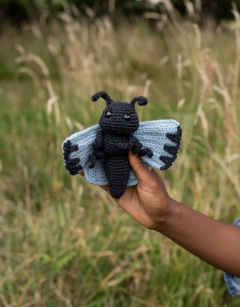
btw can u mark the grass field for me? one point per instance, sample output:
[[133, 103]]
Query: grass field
[[64, 242]]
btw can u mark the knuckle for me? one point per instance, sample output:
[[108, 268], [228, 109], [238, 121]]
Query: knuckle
[[154, 184]]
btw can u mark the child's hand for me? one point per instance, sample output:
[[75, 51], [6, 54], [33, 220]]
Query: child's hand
[[150, 205], [148, 202]]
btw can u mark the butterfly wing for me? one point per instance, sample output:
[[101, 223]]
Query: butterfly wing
[[132, 180], [76, 150], [163, 138]]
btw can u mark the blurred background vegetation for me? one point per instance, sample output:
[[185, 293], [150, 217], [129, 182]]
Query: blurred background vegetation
[[24, 10], [64, 242]]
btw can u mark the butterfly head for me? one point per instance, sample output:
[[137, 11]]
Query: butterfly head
[[119, 117]]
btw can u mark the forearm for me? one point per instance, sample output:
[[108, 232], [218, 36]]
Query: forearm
[[215, 242]]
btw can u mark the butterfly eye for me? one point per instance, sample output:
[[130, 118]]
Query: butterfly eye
[[108, 114], [127, 117]]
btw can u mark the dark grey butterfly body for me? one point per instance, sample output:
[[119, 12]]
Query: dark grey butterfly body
[[118, 122]]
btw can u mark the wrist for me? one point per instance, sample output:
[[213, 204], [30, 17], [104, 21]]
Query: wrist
[[164, 224]]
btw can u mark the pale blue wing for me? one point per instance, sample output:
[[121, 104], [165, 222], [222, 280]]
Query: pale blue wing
[[76, 150], [132, 180], [163, 138], [96, 175]]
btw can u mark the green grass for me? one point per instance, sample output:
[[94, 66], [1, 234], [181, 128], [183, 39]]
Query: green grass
[[64, 242]]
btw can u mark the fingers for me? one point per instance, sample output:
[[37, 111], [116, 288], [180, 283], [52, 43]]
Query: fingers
[[142, 172], [155, 175]]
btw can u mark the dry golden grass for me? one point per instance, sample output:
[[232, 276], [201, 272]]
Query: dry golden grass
[[64, 242]]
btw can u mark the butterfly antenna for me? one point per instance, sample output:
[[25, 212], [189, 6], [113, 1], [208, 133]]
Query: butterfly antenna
[[142, 101], [103, 95]]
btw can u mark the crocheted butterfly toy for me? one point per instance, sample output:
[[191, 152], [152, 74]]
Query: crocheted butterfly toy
[[101, 151]]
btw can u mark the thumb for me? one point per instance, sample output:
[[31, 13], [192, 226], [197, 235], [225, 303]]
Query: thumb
[[140, 169]]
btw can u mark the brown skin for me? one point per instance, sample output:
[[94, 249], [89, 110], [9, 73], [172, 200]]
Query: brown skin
[[149, 204]]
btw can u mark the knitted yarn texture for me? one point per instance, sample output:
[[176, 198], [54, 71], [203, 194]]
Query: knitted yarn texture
[[102, 150]]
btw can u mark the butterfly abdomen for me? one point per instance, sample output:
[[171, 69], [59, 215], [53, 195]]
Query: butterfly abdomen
[[116, 164], [117, 169]]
